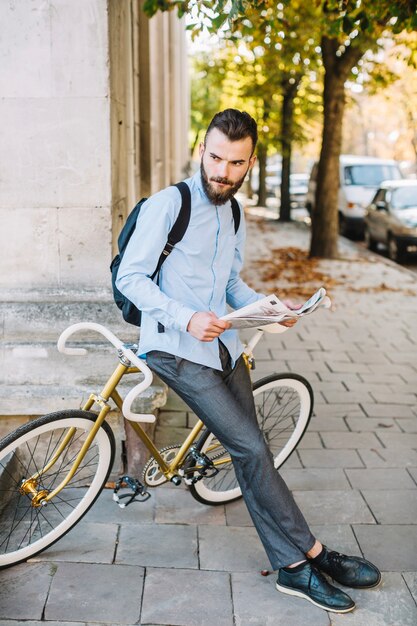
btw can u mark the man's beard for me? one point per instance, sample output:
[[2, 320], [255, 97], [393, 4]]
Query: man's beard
[[219, 197]]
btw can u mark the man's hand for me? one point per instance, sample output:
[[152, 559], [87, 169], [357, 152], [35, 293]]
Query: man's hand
[[290, 305], [206, 326]]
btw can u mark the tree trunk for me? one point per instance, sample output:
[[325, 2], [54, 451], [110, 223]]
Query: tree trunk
[[262, 174], [287, 122], [324, 226]]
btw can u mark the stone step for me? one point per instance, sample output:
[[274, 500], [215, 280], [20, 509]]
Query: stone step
[[48, 314], [40, 399]]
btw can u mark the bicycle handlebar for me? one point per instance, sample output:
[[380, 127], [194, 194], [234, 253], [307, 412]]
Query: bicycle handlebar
[[131, 356]]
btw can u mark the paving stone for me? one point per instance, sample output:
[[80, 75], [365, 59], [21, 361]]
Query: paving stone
[[398, 398], [106, 510], [179, 507], [369, 356], [391, 547], [257, 602], [158, 545], [389, 458], [372, 424], [327, 423], [315, 479], [310, 440], [407, 425], [346, 397], [343, 377], [86, 543], [339, 537], [330, 458], [340, 410], [392, 506], [24, 589], [237, 514], [350, 440], [337, 507], [398, 440], [380, 479], [187, 598], [293, 461], [291, 355], [231, 549], [381, 379], [387, 410], [356, 368], [41, 623], [391, 604], [340, 357], [104, 584], [411, 582], [413, 473]]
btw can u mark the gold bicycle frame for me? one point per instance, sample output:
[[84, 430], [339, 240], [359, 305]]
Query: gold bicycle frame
[[109, 391]]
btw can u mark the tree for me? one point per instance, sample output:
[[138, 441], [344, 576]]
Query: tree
[[347, 29]]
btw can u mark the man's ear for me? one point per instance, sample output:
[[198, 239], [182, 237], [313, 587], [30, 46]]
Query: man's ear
[[201, 149], [252, 161]]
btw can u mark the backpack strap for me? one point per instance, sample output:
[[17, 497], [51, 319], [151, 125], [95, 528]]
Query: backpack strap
[[236, 213], [177, 232]]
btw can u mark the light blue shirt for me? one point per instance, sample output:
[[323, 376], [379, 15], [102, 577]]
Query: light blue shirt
[[200, 274]]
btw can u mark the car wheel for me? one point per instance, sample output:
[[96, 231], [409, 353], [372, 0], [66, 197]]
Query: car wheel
[[396, 251], [370, 242]]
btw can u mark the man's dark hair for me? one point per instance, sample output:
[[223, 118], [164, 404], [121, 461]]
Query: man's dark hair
[[235, 125]]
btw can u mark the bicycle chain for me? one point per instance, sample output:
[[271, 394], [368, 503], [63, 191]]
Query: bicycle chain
[[152, 464]]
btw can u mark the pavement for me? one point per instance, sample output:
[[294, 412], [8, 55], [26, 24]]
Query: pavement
[[176, 562]]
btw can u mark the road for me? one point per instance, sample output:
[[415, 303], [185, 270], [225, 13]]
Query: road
[[300, 214]]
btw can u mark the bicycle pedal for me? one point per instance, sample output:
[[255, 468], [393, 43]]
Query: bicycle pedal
[[137, 491]]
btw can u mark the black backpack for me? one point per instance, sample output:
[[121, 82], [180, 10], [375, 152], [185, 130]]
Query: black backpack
[[130, 312]]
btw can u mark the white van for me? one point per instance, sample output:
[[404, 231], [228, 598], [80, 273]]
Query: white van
[[360, 177]]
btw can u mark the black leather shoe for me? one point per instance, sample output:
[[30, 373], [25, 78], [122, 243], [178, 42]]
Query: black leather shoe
[[351, 571], [310, 584]]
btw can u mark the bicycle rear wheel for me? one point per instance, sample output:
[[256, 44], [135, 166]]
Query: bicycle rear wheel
[[284, 404], [26, 530]]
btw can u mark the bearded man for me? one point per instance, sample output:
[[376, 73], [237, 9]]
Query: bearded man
[[200, 356]]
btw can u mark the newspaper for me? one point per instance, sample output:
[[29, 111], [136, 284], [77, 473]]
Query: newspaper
[[270, 310]]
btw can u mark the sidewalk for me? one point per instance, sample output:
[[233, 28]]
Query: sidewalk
[[175, 562]]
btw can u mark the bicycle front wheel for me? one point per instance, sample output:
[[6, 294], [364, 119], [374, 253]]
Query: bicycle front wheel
[[29, 452], [284, 404]]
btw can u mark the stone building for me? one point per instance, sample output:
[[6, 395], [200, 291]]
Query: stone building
[[94, 113]]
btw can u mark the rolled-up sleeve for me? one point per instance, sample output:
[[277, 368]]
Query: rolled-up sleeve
[[156, 218]]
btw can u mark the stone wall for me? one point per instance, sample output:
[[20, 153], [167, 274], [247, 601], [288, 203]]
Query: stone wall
[[93, 116]]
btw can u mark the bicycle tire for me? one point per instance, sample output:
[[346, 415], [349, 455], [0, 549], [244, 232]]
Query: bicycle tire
[[284, 404], [25, 531]]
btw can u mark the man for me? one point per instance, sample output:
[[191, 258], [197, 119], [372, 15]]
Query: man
[[200, 357]]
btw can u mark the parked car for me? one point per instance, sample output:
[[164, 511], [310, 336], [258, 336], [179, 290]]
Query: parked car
[[272, 179], [359, 178], [391, 218], [298, 190]]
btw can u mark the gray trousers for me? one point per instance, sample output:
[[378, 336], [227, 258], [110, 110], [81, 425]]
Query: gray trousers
[[223, 400]]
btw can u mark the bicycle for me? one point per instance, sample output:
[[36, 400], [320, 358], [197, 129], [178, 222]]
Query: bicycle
[[53, 468]]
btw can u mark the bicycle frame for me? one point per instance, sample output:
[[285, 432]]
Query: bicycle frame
[[109, 391]]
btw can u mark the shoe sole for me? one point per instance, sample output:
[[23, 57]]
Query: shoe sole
[[300, 594]]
